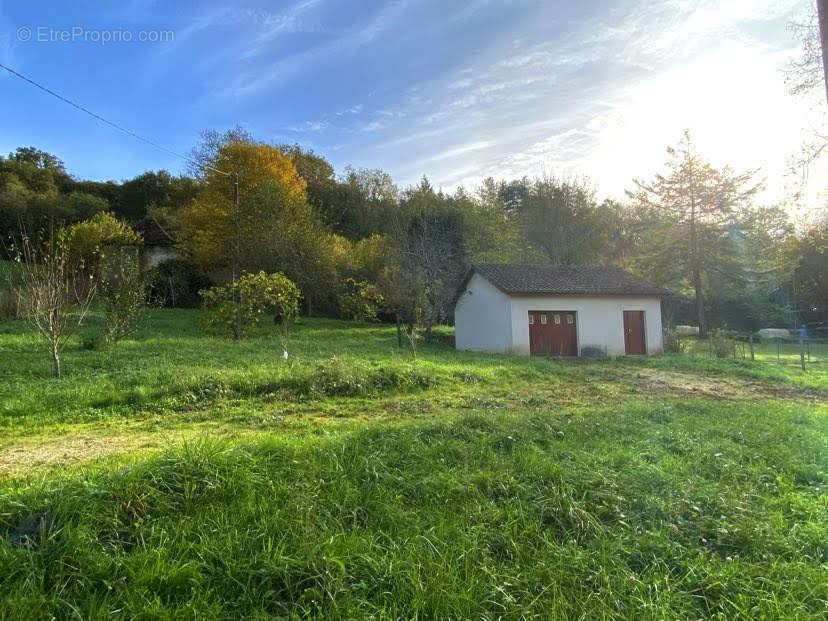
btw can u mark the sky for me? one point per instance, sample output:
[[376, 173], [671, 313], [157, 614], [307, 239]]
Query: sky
[[456, 90]]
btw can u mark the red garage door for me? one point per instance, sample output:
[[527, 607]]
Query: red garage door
[[553, 333]]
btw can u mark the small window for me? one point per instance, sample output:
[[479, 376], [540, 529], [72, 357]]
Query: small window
[[557, 319], [570, 319], [531, 320], [543, 319]]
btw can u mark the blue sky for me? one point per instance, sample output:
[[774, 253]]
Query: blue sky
[[456, 90]]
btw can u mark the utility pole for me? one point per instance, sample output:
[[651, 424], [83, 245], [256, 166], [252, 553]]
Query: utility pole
[[237, 301]]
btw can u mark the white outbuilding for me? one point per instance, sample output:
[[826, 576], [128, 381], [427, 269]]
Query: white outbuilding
[[557, 311]]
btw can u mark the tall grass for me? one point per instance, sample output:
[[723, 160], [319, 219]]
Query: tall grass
[[693, 510]]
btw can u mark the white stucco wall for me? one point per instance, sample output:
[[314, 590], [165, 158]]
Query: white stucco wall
[[153, 255], [481, 318], [599, 319]]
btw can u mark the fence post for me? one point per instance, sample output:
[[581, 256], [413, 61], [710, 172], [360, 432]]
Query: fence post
[[751, 347], [778, 347], [801, 351]]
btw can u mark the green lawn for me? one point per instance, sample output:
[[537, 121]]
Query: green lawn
[[181, 476]]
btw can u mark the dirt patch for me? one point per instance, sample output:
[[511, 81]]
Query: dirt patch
[[717, 387], [46, 452]]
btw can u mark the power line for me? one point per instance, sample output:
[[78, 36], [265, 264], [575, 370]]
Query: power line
[[110, 123]]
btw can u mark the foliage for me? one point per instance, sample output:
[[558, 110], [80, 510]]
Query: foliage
[[280, 230], [123, 291], [360, 300], [151, 191], [809, 285], [560, 221], [29, 196], [258, 294], [673, 343], [721, 343], [298, 217], [86, 241], [429, 236], [270, 191], [695, 208], [175, 283], [805, 78]]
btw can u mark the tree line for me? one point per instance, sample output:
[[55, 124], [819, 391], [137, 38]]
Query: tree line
[[358, 246]]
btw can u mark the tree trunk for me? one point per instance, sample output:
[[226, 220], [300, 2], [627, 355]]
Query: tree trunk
[[429, 319], [695, 255], [697, 286], [822, 12], [55, 361], [399, 332]]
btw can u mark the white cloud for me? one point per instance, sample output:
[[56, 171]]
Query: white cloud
[[605, 100]]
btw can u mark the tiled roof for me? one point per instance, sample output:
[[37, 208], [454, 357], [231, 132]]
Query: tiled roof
[[563, 280]]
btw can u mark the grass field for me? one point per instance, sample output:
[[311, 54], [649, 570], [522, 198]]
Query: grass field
[[181, 476]]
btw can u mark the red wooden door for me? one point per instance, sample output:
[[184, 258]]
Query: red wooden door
[[634, 333], [553, 333]]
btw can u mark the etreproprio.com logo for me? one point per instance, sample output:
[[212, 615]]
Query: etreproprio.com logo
[[80, 34]]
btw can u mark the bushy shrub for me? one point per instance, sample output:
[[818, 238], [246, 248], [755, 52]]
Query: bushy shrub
[[123, 292], [259, 295], [360, 300], [720, 343], [673, 343], [175, 283], [86, 242]]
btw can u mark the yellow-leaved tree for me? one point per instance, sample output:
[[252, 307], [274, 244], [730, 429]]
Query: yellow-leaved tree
[[278, 229]]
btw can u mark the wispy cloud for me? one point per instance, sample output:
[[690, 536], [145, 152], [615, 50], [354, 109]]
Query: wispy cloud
[[357, 109], [309, 126]]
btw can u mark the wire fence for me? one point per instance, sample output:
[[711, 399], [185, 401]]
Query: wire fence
[[797, 351]]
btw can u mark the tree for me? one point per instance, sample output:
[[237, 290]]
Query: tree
[[805, 77], [123, 291], [428, 236], [696, 204], [153, 190], [269, 187], [29, 195], [52, 290], [360, 203], [278, 230], [83, 206], [260, 294], [560, 221], [809, 285], [204, 154]]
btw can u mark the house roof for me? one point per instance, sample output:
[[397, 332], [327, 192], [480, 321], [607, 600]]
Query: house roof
[[515, 279], [153, 233]]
